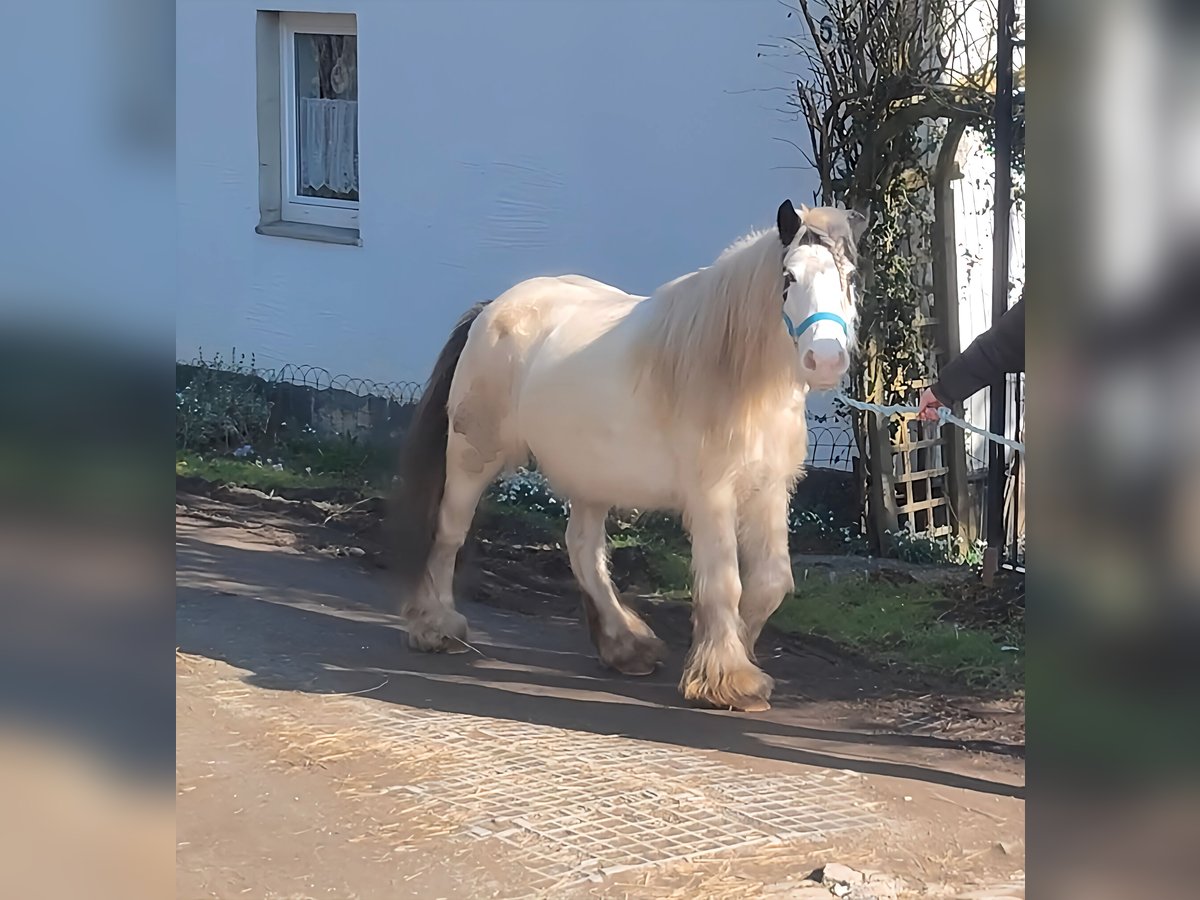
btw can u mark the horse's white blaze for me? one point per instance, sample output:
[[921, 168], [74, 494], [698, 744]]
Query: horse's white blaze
[[819, 287], [690, 400]]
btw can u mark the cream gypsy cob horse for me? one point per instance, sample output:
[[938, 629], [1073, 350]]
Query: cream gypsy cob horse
[[689, 401]]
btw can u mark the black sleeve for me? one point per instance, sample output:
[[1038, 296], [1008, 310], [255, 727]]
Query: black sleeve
[[996, 352]]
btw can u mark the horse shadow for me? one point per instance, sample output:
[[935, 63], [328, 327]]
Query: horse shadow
[[289, 625]]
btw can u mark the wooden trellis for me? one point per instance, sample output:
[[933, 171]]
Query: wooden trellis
[[921, 452], [919, 471]]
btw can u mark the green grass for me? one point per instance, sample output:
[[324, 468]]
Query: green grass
[[519, 523], [899, 624], [247, 474], [667, 554], [674, 572]]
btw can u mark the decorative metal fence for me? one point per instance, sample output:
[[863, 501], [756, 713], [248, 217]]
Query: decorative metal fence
[[830, 448], [319, 379], [310, 399], [831, 443]]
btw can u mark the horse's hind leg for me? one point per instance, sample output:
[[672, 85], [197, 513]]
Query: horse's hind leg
[[623, 640], [434, 625]]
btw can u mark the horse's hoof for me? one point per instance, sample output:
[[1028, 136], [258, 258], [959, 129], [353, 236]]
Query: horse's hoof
[[446, 635], [755, 706], [636, 668], [435, 642], [631, 654], [746, 688]]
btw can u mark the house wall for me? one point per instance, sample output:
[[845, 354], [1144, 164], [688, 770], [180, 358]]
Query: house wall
[[629, 141], [973, 228], [973, 225]]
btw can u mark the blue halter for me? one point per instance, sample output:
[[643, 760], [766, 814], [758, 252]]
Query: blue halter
[[796, 330]]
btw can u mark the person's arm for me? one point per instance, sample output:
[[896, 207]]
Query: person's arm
[[996, 352]]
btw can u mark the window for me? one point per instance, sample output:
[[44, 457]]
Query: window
[[319, 56], [308, 126]]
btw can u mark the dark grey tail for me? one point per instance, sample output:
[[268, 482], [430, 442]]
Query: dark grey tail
[[417, 495]]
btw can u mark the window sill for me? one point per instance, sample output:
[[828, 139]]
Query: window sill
[[303, 231]]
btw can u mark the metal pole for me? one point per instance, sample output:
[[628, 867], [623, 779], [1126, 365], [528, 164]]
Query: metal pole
[[998, 402]]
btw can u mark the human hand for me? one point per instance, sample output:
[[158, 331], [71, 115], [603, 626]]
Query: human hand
[[928, 406]]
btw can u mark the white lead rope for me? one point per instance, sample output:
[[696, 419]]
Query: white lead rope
[[944, 415]]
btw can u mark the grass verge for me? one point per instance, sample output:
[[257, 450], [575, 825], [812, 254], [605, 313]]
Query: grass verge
[[903, 624], [264, 478]]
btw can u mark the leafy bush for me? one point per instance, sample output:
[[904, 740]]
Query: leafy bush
[[923, 549], [222, 406], [528, 490], [222, 410], [819, 523], [345, 456]]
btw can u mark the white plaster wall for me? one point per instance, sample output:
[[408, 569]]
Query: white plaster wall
[[973, 195], [499, 139]]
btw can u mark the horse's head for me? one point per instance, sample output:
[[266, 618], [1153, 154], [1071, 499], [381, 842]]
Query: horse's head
[[819, 309]]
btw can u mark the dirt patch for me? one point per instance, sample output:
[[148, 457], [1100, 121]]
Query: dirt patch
[[998, 608]]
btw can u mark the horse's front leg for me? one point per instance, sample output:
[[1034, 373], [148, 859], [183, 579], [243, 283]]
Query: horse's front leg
[[718, 670], [766, 562]]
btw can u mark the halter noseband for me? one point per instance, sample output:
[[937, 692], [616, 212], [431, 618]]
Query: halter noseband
[[794, 331]]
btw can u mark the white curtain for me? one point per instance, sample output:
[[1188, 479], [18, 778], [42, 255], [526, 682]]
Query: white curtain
[[329, 144]]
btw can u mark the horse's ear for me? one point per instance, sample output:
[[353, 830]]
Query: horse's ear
[[788, 222], [858, 224]]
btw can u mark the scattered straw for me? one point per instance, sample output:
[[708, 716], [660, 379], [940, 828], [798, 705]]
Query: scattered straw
[[472, 647], [352, 693]]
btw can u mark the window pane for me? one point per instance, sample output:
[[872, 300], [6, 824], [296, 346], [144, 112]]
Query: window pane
[[327, 116]]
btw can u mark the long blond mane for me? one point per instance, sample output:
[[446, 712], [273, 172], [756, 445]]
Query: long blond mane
[[715, 350]]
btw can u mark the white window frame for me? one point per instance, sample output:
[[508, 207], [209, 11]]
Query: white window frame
[[294, 207]]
